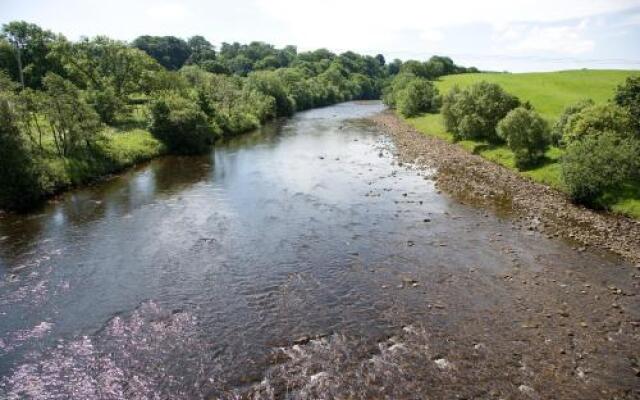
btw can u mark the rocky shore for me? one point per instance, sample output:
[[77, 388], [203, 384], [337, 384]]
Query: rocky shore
[[472, 179]]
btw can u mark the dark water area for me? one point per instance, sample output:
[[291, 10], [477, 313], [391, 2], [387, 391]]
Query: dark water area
[[178, 279]]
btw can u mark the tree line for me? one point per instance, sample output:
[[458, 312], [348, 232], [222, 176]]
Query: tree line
[[75, 110]]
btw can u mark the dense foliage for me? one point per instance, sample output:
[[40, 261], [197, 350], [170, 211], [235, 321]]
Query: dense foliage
[[628, 96], [412, 95], [19, 178], [474, 112], [74, 110], [411, 91], [597, 119], [597, 164], [526, 134], [560, 126], [181, 124]]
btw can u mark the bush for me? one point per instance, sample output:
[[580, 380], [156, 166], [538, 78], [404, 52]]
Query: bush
[[181, 125], [474, 113], [269, 83], [419, 96], [105, 103], [628, 96], [597, 119], [598, 164], [526, 134], [397, 85], [559, 127]]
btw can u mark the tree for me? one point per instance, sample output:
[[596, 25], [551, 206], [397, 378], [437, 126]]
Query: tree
[[561, 124], [596, 119], [474, 112], [20, 176], [72, 121], [598, 164], [526, 134], [270, 84], [201, 50], [171, 52], [30, 45], [419, 96], [180, 124], [628, 96], [394, 67]]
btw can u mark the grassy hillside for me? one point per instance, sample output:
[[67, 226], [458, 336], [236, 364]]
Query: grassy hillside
[[549, 93]]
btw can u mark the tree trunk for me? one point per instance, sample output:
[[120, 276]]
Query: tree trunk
[[19, 59]]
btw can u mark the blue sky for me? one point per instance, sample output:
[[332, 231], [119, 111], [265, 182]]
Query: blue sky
[[525, 35]]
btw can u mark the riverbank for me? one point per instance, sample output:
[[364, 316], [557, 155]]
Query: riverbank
[[472, 179], [113, 153]]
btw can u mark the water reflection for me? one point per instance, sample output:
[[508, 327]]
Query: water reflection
[[306, 228]]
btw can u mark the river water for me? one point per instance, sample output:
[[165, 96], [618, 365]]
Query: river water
[[183, 278]]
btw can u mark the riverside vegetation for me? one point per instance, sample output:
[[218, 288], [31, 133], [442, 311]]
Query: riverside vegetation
[[75, 111], [576, 131]]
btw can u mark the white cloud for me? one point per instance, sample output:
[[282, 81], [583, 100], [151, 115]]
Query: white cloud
[[561, 39], [342, 24]]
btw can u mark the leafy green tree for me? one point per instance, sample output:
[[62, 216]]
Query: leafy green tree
[[557, 132], [526, 134], [101, 62], [20, 168], [181, 124], [201, 50], [72, 121], [106, 103], [394, 67], [474, 112], [419, 96], [628, 96], [240, 65], [596, 119], [599, 164], [215, 67], [171, 52], [414, 67], [31, 46], [397, 85]]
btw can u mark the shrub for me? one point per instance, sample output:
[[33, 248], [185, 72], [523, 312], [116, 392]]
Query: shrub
[[270, 84], [597, 164], [628, 96], [559, 127], [181, 125], [419, 96], [597, 119], [526, 134], [105, 103], [474, 113], [397, 84]]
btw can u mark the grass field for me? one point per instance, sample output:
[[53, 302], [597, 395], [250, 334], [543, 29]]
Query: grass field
[[549, 93]]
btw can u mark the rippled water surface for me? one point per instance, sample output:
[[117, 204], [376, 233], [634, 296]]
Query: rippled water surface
[[180, 278]]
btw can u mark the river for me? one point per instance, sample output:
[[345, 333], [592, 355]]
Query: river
[[182, 278]]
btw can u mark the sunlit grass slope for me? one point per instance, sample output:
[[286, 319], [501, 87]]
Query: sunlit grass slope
[[549, 93]]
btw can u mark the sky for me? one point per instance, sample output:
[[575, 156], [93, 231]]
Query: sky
[[496, 35]]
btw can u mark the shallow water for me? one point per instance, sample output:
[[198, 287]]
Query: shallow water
[[181, 277]]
